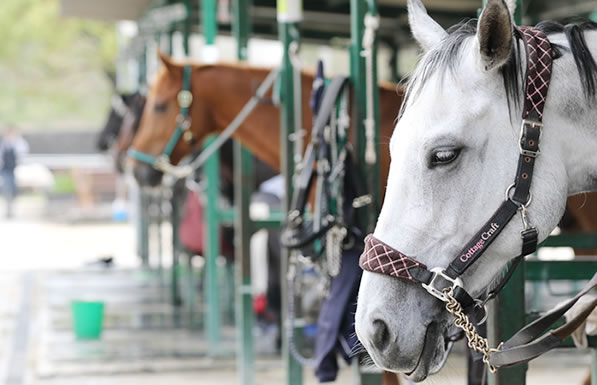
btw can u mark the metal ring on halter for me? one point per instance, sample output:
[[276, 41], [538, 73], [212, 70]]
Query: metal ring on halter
[[529, 200]]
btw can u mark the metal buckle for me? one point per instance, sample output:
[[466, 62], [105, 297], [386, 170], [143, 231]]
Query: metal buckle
[[438, 293], [185, 98], [294, 218], [532, 123]]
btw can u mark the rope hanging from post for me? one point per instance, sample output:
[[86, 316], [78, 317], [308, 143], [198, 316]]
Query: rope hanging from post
[[371, 26], [299, 133]]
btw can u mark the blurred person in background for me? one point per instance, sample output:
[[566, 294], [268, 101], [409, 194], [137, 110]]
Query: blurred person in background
[[12, 147]]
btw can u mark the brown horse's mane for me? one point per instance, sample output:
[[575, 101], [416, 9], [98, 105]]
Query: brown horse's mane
[[383, 85]]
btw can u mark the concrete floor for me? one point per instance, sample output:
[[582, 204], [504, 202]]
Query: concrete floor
[[145, 340]]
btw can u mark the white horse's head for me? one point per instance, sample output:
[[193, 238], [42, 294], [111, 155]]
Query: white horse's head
[[454, 153]]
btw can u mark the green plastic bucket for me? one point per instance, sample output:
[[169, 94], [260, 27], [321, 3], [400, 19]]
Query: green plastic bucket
[[87, 319]]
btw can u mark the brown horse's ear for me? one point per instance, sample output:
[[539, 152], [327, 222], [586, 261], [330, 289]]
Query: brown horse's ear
[[173, 68]]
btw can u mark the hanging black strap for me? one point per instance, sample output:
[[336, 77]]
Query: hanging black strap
[[298, 233], [530, 342]]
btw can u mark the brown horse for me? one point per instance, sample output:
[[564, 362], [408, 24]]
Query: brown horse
[[220, 92]]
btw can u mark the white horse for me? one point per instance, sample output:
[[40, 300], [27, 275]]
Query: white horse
[[454, 153]]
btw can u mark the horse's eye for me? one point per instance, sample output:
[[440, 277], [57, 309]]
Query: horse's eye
[[160, 108], [444, 156]]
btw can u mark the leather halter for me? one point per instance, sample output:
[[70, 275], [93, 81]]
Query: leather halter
[[381, 258], [183, 129], [378, 257]]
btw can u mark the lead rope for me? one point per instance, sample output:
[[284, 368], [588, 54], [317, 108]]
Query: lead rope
[[298, 135], [290, 324], [474, 340]]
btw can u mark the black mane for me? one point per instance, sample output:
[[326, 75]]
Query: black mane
[[447, 55]]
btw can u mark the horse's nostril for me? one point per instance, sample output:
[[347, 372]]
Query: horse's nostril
[[381, 335]]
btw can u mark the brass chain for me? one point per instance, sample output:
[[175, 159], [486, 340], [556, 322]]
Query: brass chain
[[475, 341]]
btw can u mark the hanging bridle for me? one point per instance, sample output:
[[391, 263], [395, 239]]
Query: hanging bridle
[[446, 284], [183, 129]]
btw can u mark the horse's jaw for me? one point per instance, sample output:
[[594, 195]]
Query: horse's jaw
[[420, 351]]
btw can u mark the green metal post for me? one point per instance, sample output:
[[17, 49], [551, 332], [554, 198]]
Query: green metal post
[[212, 216], [241, 27], [508, 316], [594, 366], [209, 20], [142, 69], [288, 33], [511, 304], [187, 28], [143, 226], [358, 74], [244, 177], [358, 10], [176, 246], [212, 251], [176, 215]]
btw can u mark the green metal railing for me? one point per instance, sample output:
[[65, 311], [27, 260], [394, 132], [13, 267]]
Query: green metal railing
[[288, 34]]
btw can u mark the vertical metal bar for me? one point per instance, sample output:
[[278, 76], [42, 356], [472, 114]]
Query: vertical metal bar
[[244, 177], [594, 366], [212, 251], [358, 68], [176, 247], [143, 226], [142, 68], [212, 218], [511, 314], [176, 193], [508, 316], [187, 28], [288, 33], [358, 9], [241, 27], [209, 21]]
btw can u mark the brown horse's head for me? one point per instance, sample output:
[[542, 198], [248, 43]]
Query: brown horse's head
[[160, 120]]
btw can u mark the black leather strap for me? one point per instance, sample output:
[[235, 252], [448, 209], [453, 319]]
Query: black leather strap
[[525, 345], [299, 233], [529, 145], [480, 241]]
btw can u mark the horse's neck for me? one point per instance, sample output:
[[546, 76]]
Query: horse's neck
[[571, 120], [227, 89]]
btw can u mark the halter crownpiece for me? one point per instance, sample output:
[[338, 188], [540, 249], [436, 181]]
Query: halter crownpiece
[[445, 284]]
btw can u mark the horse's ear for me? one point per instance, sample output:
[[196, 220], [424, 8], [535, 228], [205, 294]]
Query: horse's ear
[[172, 68], [511, 6], [426, 31], [495, 35]]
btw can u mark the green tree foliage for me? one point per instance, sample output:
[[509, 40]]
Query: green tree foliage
[[53, 69]]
